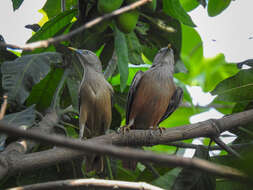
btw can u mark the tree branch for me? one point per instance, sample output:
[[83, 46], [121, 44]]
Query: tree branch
[[89, 184], [58, 39], [101, 145]]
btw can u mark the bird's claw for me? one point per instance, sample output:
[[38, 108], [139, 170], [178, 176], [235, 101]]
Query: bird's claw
[[124, 129], [161, 129]]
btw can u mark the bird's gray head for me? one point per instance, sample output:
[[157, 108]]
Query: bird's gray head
[[88, 59], [165, 56]]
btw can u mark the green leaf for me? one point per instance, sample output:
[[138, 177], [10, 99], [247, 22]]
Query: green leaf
[[238, 88], [193, 179], [53, 26], [73, 86], [173, 8], [23, 119], [231, 185], [16, 4], [20, 75], [189, 5], [42, 93], [134, 49], [122, 56], [53, 8], [215, 7], [166, 181]]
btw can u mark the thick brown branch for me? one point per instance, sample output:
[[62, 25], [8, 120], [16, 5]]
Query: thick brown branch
[[89, 184], [58, 39], [100, 145]]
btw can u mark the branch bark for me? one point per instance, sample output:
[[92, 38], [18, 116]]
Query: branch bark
[[88, 184], [58, 39], [101, 145]]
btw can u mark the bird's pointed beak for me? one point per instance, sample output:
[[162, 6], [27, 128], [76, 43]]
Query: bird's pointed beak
[[75, 50]]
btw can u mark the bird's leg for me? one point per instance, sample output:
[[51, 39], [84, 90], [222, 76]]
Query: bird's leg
[[81, 131], [127, 127]]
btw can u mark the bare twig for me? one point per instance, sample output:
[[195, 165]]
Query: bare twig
[[89, 184], [3, 107], [55, 40], [218, 141]]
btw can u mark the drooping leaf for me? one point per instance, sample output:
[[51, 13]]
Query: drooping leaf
[[215, 7], [21, 74], [42, 93], [134, 49], [237, 88], [73, 86], [122, 56], [23, 119], [173, 8], [192, 179], [16, 4], [53, 8]]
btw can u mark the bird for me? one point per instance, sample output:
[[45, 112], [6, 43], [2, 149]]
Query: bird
[[95, 104], [152, 96]]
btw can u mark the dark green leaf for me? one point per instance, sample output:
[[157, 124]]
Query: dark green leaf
[[134, 49], [16, 4], [215, 7], [53, 8], [122, 56], [231, 185], [42, 93], [73, 86], [173, 8], [23, 119], [192, 179], [166, 181], [20, 75], [238, 88]]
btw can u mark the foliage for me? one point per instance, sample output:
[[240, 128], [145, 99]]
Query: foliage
[[35, 79]]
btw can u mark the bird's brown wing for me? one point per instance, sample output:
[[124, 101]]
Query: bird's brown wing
[[131, 93], [174, 103]]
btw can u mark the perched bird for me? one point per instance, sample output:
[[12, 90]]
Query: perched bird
[[152, 96], [95, 103]]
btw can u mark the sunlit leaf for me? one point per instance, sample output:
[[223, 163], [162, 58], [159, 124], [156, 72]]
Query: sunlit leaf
[[238, 88], [189, 5]]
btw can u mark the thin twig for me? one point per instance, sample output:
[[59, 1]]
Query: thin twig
[[218, 141], [89, 184], [58, 39], [3, 107]]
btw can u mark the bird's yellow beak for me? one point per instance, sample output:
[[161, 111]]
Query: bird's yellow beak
[[73, 49]]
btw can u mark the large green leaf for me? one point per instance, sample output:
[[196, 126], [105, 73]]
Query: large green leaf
[[173, 8], [16, 4], [20, 75], [53, 8], [192, 179], [42, 93], [23, 119], [134, 49], [122, 56], [215, 7], [238, 88]]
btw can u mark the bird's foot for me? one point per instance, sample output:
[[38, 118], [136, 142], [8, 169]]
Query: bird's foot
[[161, 129], [124, 129]]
